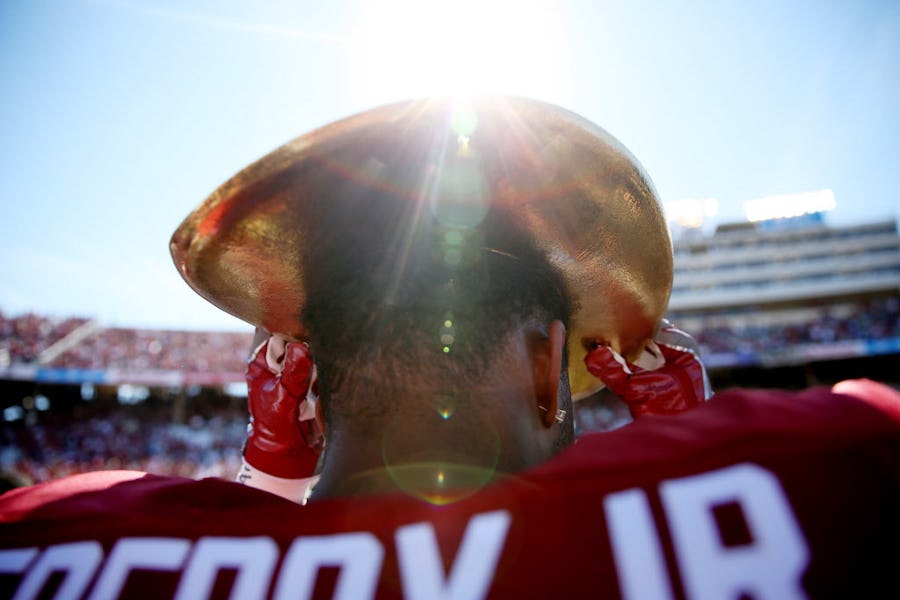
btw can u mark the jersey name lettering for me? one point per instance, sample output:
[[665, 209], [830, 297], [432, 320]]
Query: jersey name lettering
[[769, 563], [358, 556]]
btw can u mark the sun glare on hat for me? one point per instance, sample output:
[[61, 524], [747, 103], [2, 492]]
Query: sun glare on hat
[[437, 47]]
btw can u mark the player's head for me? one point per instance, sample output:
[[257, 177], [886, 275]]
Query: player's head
[[441, 247], [424, 309], [405, 308]]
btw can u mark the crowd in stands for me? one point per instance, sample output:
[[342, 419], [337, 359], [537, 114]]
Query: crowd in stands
[[600, 412], [24, 339], [876, 319], [141, 437], [139, 350], [147, 436]]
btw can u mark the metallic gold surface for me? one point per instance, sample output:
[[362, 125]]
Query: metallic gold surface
[[583, 197]]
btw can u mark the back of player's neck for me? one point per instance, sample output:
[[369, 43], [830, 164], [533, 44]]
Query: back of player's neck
[[434, 482]]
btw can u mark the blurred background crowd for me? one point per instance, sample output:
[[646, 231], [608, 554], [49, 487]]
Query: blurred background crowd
[[27, 338], [93, 397], [870, 319], [142, 437]]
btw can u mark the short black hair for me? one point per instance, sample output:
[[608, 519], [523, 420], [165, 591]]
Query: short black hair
[[401, 291]]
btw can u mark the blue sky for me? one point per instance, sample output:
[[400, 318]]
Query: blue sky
[[117, 117]]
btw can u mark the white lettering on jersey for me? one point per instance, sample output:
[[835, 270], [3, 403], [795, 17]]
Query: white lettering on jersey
[[422, 572], [768, 563], [357, 555], [78, 560], [639, 559], [13, 562], [253, 558], [158, 554], [771, 566]]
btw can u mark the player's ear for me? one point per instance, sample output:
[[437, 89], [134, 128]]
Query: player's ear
[[548, 358]]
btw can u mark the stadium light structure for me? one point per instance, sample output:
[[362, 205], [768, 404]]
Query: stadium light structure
[[691, 213], [132, 394], [236, 389], [41, 402], [786, 206], [13, 413]]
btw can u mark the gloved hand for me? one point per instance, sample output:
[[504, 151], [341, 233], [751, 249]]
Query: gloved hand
[[671, 380], [283, 438]]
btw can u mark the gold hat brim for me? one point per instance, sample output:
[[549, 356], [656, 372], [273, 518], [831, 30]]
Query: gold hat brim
[[582, 196]]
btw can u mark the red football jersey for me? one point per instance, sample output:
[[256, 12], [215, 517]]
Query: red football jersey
[[755, 494]]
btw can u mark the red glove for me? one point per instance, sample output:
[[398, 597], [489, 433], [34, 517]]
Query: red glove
[[283, 438], [676, 383]]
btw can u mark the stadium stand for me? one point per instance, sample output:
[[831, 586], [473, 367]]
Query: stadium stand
[[77, 396], [787, 303], [79, 350], [787, 292], [143, 437], [25, 337]]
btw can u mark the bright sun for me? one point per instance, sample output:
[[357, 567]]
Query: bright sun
[[437, 47]]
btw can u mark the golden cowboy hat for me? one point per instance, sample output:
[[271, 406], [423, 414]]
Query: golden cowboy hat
[[585, 200]]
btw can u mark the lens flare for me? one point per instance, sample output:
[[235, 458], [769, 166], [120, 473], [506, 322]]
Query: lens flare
[[464, 121], [460, 194], [441, 483], [461, 47], [447, 335], [431, 464], [445, 406]]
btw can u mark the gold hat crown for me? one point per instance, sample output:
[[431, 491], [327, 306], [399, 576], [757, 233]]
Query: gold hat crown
[[578, 192]]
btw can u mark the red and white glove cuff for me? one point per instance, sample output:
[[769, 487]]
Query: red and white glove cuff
[[295, 490]]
